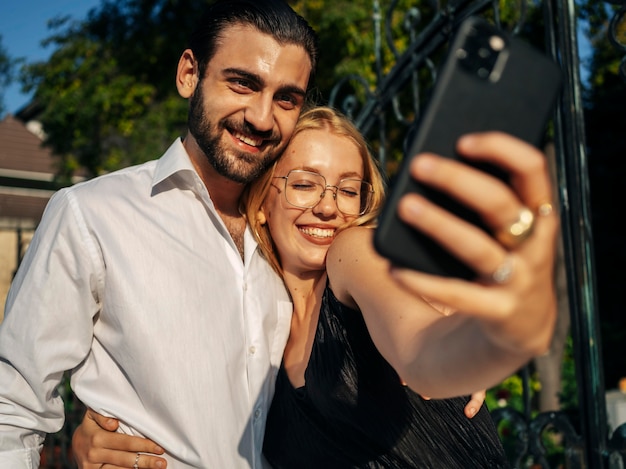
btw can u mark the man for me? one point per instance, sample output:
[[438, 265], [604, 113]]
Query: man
[[154, 265]]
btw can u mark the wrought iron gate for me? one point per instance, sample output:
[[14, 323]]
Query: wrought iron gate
[[589, 445]]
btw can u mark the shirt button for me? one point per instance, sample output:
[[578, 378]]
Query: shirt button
[[245, 287], [257, 413], [252, 350]]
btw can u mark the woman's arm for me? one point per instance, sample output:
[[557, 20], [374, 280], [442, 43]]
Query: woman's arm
[[497, 327], [96, 445]]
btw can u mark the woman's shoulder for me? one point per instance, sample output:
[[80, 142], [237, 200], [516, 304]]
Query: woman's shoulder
[[350, 255], [352, 238], [352, 245]]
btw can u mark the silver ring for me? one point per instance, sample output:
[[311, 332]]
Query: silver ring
[[136, 465], [504, 271], [513, 234]]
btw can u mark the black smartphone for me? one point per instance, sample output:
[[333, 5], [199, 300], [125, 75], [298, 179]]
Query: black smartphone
[[489, 81]]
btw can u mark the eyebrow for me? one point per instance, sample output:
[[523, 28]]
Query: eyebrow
[[348, 175], [290, 89]]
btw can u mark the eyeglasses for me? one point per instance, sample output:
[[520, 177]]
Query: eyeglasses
[[305, 189]]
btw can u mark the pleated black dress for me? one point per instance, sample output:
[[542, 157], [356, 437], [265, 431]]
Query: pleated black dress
[[355, 413]]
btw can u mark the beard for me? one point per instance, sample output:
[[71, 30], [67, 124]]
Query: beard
[[238, 166]]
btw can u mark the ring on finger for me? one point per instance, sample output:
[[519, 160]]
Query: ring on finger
[[514, 233], [504, 271], [136, 465], [544, 209]]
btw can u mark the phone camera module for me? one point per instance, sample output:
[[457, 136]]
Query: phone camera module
[[483, 54]]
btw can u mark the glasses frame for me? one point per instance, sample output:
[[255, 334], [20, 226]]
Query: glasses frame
[[368, 186]]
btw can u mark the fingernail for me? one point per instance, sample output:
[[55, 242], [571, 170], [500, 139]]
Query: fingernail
[[466, 140], [412, 205], [160, 464], [423, 164], [472, 411]]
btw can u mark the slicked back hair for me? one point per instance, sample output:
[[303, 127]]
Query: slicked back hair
[[273, 17]]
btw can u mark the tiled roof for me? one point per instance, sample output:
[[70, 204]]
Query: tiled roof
[[22, 150], [22, 159]]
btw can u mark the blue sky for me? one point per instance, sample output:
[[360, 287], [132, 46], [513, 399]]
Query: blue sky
[[23, 25]]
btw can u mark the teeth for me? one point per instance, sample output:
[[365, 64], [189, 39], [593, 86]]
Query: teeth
[[248, 140], [318, 232]]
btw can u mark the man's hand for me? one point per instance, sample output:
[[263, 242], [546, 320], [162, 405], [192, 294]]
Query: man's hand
[[96, 445], [475, 403]]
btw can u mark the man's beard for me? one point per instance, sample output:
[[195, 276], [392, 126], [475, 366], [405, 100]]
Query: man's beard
[[237, 166]]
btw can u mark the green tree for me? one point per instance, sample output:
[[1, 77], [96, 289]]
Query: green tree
[[107, 94]]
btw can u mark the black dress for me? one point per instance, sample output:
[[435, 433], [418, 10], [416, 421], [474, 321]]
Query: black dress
[[354, 412]]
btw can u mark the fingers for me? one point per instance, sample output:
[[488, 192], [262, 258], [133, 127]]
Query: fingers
[[514, 295], [107, 423], [103, 457], [144, 462], [95, 447], [518, 211], [148, 461], [467, 242], [496, 202], [476, 401], [526, 164], [513, 276]]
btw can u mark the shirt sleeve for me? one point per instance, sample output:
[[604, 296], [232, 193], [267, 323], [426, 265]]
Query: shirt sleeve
[[47, 328]]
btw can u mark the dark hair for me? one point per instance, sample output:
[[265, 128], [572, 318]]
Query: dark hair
[[273, 17]]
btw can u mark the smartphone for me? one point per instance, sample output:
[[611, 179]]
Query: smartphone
[[489, 80]]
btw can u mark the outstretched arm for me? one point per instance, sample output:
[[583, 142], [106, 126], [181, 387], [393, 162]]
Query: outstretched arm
[[96, 445], [498, 325]]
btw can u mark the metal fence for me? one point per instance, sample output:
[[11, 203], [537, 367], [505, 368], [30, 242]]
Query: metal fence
[[585, 442]]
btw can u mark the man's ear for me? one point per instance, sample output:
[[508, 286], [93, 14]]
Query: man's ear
[[187, 74]]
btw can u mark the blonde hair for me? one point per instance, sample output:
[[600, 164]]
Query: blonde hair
[[318, 118]]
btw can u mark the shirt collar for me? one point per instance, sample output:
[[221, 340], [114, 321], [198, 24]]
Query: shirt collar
[[175, 166], [175, 160]]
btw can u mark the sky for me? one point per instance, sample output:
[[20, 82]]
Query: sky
[[23, 25]]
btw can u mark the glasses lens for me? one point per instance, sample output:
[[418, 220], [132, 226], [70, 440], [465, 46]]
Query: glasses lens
[[304, 189], [353, 196]]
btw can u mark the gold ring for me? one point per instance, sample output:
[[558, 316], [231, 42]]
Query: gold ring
[[136, 465], [504, 271], [544, 209], [516, 232]]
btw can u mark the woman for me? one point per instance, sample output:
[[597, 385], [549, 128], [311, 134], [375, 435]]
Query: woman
[[363, 343]]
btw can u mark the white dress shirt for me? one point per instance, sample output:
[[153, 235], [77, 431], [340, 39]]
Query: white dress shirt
[[133, 282]]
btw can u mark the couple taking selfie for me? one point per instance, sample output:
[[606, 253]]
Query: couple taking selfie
[[223, 306]]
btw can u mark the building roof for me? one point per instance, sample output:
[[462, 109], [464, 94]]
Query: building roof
[[27, 172], [21, 147]]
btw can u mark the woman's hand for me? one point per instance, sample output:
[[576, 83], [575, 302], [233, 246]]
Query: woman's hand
[[514, 296], [97, 445]]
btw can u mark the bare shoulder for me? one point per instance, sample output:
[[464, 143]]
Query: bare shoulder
[[351, 243], [350, 259]]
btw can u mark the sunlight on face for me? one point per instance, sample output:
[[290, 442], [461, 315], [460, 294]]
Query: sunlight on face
[[303, 235], [246, 106]]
